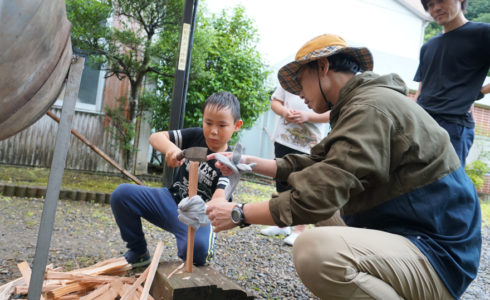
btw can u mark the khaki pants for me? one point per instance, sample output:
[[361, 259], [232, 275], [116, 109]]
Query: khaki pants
[[340, 262]]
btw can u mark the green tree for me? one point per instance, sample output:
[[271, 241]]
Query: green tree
[[224, 58], [142, 45], [124, 48], [477, 11]]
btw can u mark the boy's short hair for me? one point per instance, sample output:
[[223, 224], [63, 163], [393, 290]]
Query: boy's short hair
[[222, 100], [464, 5]]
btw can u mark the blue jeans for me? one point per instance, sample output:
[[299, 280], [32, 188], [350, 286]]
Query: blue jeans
[[461, 138], [131, 202]]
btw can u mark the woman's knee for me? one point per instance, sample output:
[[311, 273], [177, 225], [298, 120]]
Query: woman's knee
[[321, 253]]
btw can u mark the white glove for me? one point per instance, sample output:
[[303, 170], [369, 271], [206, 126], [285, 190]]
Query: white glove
[[192, 211], [237, 168]]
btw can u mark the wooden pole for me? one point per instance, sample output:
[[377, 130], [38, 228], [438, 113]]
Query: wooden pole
[[98, 151], [193, 179]]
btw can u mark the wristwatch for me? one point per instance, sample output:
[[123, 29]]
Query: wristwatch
[[238, 217]]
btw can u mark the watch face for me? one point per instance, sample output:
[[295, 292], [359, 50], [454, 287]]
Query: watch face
[[235, 215]]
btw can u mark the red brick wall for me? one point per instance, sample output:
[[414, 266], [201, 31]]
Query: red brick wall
[[481, 115], [485, 189]]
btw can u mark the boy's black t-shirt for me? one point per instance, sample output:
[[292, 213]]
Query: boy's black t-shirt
[[452, 69], [210, 177]]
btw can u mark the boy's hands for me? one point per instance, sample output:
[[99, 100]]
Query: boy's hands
[[171, 158]]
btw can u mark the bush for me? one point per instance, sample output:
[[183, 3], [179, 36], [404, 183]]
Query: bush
[[477, 171]]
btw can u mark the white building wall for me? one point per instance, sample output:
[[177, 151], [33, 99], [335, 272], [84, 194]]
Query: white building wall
[[391, 31]]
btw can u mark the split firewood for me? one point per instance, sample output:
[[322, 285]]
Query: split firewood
[[69, 277], [69, 288], [97, 292], [128, 295], [7, 289], [23, 289], [25, 270], [117, 266], [152, 270], [69, 297], [97, 282]]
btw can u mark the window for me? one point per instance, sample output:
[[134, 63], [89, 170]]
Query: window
[[91, 89]]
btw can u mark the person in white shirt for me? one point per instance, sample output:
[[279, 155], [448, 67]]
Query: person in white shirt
[[297, 130]]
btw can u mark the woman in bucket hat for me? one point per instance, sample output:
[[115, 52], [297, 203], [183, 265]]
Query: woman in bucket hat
[[412, 215]]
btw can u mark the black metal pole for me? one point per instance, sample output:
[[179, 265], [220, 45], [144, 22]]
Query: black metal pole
[[182, 75]]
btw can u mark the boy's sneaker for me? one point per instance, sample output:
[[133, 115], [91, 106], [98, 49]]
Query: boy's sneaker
[[274, 230], [137, 260]]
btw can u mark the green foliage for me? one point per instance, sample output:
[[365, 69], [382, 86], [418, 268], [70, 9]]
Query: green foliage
[[143, 43], [124, 46], [476, 8], [485, 212], [121, 128], [483, 18], [477, 171], [477, 11], [224, 58], [431, 30]]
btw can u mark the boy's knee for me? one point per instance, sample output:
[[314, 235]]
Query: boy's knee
[[119, 194], [201, 254]]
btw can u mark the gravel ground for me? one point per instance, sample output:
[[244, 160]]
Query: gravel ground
[[85, 233]]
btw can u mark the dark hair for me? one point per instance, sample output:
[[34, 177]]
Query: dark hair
[[339, 63], [222, 100], [464, 5]]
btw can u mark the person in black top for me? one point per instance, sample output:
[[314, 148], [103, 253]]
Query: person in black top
[[453, 66], [130, 203]]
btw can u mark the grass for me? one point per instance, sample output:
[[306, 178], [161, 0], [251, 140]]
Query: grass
[[74, 180], [485, 212]]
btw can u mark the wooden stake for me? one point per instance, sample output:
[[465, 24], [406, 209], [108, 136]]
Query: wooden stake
[[193, 179], [98, 151]]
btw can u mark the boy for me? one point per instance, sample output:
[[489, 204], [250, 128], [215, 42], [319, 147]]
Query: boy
[[453, 66], [130, 203]]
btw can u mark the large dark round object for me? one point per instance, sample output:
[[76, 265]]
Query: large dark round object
[[35, 55]]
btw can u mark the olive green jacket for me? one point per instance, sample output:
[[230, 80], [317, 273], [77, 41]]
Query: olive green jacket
[[381, 145]]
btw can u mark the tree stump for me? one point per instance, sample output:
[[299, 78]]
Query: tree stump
[[203, 283]]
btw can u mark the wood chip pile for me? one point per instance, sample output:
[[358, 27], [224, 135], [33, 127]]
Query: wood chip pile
[[105, 280]]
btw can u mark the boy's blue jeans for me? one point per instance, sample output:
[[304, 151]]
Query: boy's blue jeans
[[131, 202]]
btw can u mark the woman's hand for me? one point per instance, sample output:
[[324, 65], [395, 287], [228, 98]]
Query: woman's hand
[[225, 170], [220, 215]]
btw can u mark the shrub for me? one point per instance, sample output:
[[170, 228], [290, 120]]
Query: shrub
[[476, 171]]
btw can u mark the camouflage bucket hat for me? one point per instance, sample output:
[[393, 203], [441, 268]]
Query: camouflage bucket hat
[[321, 46]]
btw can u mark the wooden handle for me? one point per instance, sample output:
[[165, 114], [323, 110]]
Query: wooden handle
[[193, 179]]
